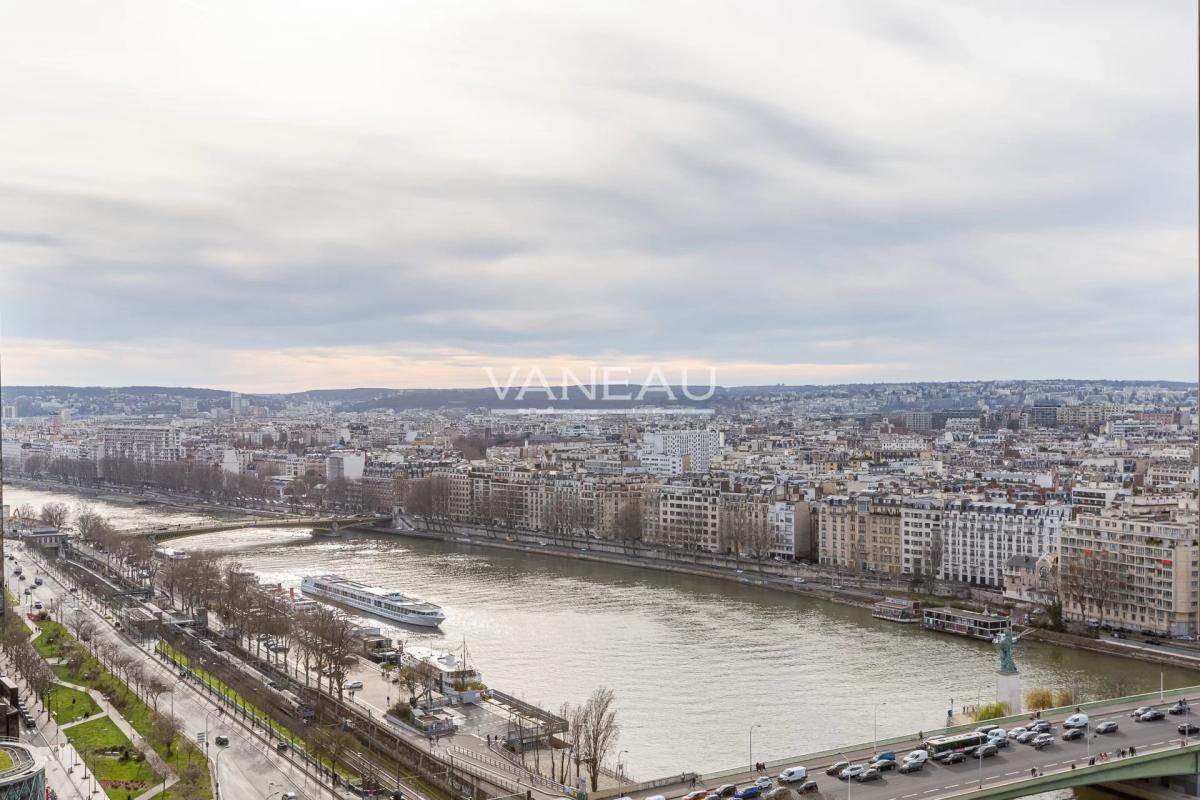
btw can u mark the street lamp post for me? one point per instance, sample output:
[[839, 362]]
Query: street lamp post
[[875, 735], [620, 774], [752, 727]]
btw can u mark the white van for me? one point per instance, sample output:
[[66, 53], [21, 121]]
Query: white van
[[1076, 721], [793, 774], [918, 755]]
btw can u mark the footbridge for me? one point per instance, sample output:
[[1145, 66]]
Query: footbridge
[[162, 533], [1018, 770]]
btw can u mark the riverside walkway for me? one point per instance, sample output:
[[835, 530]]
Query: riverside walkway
[[1017, 770]]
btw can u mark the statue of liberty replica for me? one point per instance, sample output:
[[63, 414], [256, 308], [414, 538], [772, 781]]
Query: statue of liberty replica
[[1008, 681]]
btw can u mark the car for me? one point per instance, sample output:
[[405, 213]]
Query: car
[[1027, 736], [763, 783], [38, 606], [886, 755], [1179, 708], [836, 768], [1042, 726], [807, 786], [911, 766], [868, 775], [1107, 726], [852, 771], [1137, 712], [1076, 721], [709, 796], [1041, 740], [798, 580], [793, 774], [1013, 733], [28, 590], [728, 790], [997, 733], [1153, 715], [1119, 635], [352, 685], [1147, 632], [1154, 641], [1188, 729], [37, 581], [73, 589], [836, 586], [281, 747], [21, 577], [753, 790], [985, 750], [699, 794], [884, 764], [952, 757], [986, 729], [289, 796], [1070, 734], [917, 755], [221, 741], [999, 741]]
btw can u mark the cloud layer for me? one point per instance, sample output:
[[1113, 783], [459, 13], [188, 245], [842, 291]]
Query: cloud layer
[[280, 196]]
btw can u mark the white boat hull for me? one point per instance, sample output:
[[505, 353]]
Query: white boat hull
[[421, 620]]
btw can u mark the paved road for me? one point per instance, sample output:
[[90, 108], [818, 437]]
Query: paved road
[[247, 766], [1013, 762]]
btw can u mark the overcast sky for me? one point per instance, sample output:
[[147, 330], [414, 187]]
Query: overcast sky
[[281, 196]]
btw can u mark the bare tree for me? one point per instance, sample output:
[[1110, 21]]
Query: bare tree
[[595, 731], [164, 728], [1091, 581], [55, 514]]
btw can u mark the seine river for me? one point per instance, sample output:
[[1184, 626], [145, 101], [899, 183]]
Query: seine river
[[694, 663]]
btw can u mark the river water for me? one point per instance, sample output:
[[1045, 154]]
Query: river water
[[694, 663]]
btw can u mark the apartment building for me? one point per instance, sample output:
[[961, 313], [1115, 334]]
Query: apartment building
[[697, 448], [150, 443], [345, 465], [921, 543], [1094, 497], [861, 532], [1133, 569], [683, 515], [1171, 472], [980, 536]]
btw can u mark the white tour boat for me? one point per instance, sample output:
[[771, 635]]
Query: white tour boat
[[391, 605]]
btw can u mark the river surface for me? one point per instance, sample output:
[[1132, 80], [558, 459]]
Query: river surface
[[694, 663]]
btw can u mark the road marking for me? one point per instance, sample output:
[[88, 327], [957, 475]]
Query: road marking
[[952, 786], [1055, 764], [914, 794], [1017, 772]]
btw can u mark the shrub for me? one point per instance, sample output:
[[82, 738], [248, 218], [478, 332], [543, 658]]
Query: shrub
[[1063, 697], [991, 711], [1039, 699]]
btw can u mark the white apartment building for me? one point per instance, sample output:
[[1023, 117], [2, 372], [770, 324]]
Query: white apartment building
[[150, 443], [662, 465], [1136, 570], [697, 448], [1094, 496], [345, 464], [682, 515], [920, 527], [980, 536], [1171, 473]]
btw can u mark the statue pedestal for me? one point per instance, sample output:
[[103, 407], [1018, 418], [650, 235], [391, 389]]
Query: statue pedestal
[[1008, 690]]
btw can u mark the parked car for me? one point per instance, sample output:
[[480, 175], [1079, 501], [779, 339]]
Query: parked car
[[1014, 733], [1153, 715], [797, 580], [886, 755], [763, 783], [1042, 726], [1076, 721], [1028, 736], [38, 606], [1137, 712], [918, 755], [281, 747], [986, 750], [807, 786], [986, 729], [852, 771], [793, 774], [729, 789], [1179, 708], [1154, 641], [836, 769], [221, 741], [997, 733], [1041, 740], [867, 775], [911, 766], [884, 764], [753, 790], [37, 581], [1119, 635], [952, 757], [1188, 729], [1107, 726], [1071, 734], [699, 794], [999, 741]]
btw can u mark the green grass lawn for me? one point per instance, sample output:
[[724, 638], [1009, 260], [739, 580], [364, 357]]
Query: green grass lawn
[[15, 604], [68, 705], [99, 742], [6, 762], [94, 675]]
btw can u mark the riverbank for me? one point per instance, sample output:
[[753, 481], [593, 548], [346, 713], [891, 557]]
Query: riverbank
[[782, 577]]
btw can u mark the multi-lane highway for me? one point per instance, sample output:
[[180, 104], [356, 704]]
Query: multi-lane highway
[[1011, 763]]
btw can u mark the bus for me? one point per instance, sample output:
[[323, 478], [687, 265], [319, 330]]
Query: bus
[[937, 745]]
